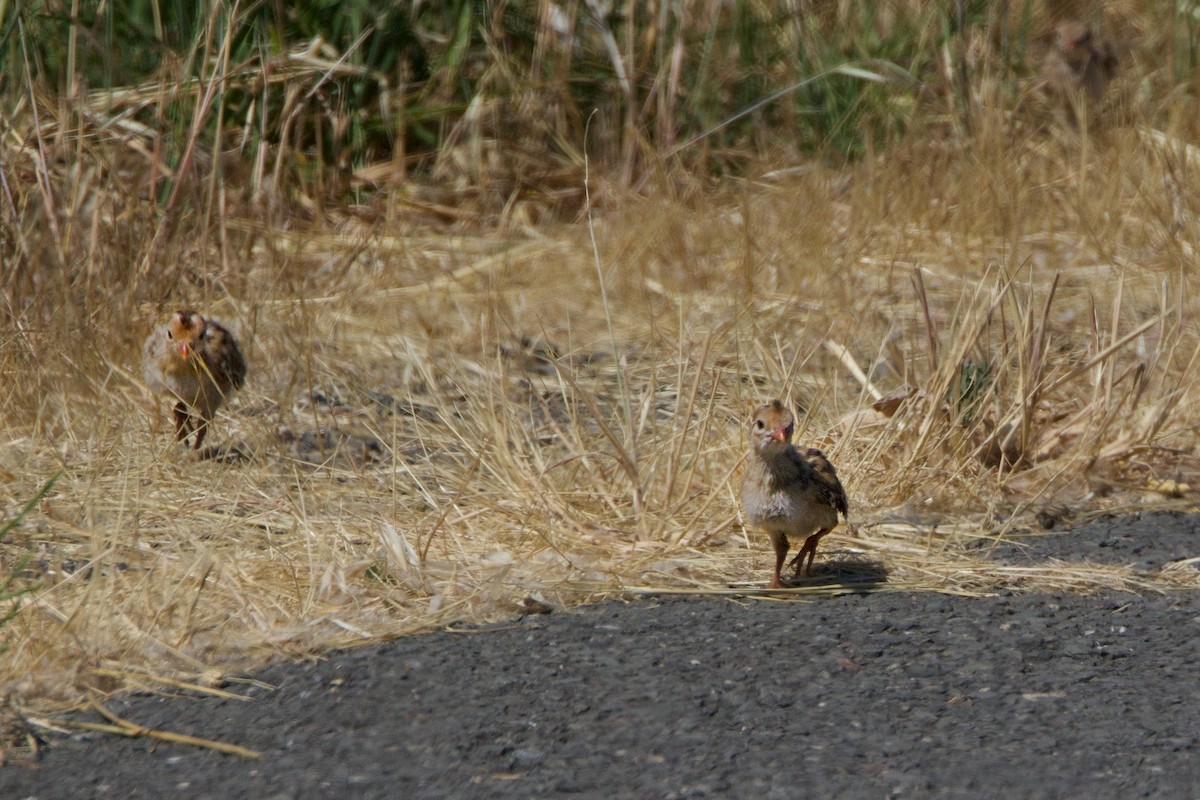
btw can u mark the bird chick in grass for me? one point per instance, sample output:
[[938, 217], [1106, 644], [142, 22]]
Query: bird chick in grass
[[789, 491], [196, 361], [1079, 61]]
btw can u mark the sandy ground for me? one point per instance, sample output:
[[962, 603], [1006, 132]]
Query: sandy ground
[[884, 694]]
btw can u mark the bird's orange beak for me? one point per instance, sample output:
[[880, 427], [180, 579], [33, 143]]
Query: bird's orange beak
[[184, 348], [779, 435]]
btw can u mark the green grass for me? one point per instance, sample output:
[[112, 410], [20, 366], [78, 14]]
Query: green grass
[[12, 586]]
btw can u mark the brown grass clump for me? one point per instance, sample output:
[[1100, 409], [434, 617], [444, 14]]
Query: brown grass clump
[[449, 421]]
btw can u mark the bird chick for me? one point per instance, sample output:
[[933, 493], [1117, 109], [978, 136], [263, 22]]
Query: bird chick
[[787, 490], [197, 362], [1079, 61]]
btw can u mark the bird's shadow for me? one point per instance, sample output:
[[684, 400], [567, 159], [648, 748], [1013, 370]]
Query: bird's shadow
[[226, 453], [854, 574], [846, 575]]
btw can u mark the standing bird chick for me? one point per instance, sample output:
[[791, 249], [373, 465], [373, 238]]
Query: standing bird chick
[[789, 491], [199, 363]]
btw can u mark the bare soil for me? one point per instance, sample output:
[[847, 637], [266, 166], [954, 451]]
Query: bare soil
[[881, 694]]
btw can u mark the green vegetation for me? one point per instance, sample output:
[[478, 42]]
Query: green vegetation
[[335, 86], [12, 587]]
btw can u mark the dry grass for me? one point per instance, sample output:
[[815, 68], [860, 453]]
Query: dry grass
[[442, 423], [484, 443]]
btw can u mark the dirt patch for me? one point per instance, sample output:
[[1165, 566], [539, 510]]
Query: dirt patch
[[1148, 542]]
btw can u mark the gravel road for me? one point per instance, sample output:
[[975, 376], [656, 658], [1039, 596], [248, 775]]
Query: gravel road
[[886, 694]]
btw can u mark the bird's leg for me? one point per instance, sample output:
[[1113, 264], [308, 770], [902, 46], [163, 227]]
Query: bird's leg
[[780, 541], [183, 421], [200, 429], [810, 548], [798, 560]]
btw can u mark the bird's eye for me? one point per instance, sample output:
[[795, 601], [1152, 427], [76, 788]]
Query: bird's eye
[[169, 336], [759, 425]]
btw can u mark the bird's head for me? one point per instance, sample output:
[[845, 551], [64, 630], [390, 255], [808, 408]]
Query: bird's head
[[771, 427], [1073, 39], [185, 329]]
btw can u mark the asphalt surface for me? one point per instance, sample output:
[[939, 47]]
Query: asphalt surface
[[877, 695]]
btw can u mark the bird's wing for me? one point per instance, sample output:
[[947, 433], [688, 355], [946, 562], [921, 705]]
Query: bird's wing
[[224, 350], [826, 479], [237, 366]]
